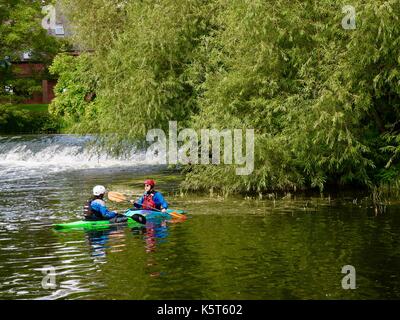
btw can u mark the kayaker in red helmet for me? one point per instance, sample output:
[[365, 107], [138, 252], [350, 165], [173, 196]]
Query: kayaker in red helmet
[[151, 199]]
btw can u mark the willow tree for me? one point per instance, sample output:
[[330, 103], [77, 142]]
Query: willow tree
[[322, 99], [140, 53]]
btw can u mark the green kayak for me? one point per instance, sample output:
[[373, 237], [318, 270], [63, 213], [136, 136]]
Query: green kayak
[[140, 219], [94, 225]]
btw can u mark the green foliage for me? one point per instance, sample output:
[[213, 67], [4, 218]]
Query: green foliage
[[74, 84], [139, 69], [311, 89], [323, 100], [21, 31], [33, 107], [96, 23], [19, 120]]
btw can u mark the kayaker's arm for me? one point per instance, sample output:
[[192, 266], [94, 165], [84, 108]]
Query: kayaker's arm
[[138, 203], [103, 210], [159, 200]]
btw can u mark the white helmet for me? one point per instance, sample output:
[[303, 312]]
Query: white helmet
[[99, 190]]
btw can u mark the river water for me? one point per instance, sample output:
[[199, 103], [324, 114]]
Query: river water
[[236, 248]]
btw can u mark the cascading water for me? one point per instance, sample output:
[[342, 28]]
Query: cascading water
[[54, 153]]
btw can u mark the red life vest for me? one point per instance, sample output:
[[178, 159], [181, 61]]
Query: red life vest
[[148, 202]]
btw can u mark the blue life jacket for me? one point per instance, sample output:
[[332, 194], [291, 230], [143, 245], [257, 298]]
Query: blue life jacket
[[90, 213]]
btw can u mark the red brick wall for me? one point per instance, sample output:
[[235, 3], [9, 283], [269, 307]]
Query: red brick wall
[[50, 90], [26, 69]]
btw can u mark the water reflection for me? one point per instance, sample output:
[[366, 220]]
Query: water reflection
[[156, 232], [114, 238]]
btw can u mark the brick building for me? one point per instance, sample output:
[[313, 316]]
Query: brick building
[[56, 25], [32, 68]]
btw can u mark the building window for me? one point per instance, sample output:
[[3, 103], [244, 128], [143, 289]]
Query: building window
[[9, 89], [26, 55], [59, 30]]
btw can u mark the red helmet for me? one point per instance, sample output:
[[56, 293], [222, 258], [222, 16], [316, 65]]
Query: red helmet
[[150, 182]]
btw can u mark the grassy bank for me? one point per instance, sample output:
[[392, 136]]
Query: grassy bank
[[35, 108]]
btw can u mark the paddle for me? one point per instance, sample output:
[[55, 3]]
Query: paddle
[[119, 197]]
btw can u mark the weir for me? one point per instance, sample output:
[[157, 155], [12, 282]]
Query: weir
[[64, 152]]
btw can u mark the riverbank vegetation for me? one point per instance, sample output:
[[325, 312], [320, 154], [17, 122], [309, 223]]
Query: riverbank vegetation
[[22, 35], [324, 100], [28, 119]]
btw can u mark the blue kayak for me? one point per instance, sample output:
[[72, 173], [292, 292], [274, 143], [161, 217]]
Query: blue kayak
[[151, 214]]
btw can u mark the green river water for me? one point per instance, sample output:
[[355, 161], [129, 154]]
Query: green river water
[[234, 248]]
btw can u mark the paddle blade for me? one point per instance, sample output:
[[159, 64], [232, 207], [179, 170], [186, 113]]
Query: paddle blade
[[177, 215], [116, 196]]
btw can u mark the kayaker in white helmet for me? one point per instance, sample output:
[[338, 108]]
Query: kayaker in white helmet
[[96, 209]]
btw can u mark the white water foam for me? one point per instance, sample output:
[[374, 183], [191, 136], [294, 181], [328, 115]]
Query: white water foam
[[30, 156]]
